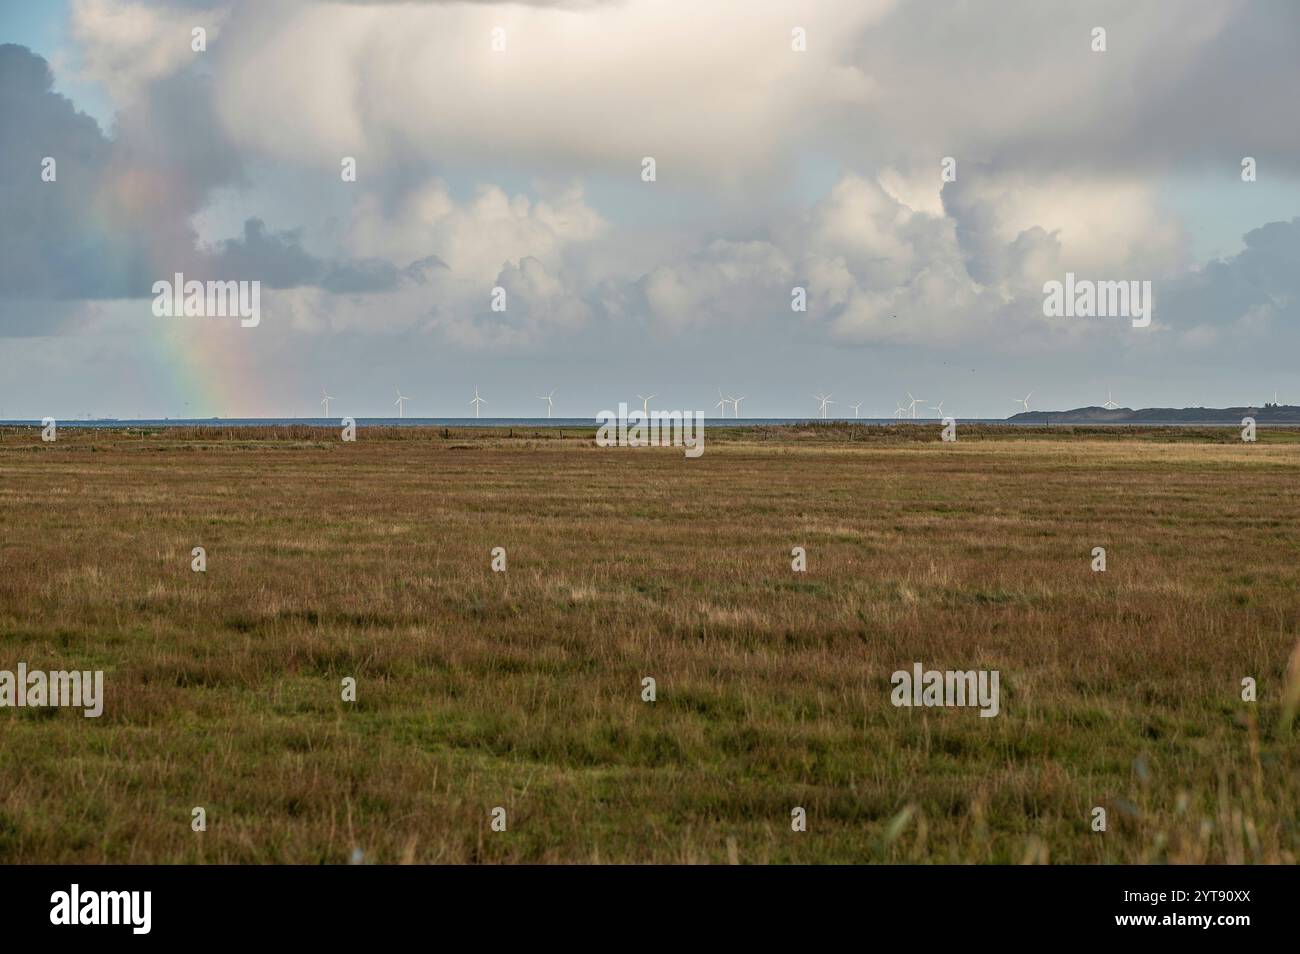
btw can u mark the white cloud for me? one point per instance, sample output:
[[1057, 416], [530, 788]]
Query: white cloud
[[475, 238], [124, 45], [711, 90], [1106, 227], [714, 92]]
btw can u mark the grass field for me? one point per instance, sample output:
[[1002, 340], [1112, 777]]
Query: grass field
[[522, 689]]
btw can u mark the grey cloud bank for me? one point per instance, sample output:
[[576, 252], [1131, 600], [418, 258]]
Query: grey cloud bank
[[1061, 157]]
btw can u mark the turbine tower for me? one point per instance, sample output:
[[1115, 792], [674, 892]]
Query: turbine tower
[[1024, 401], [915, 401], [825, 399], [477, 401], [645, 404], [1110, 405], [325, 399], [401, 407], [722, 403], [735, 403], [937, 408], [856, 408], [548, 398]]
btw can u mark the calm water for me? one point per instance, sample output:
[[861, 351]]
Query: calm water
[[582, 422], [576, 422]]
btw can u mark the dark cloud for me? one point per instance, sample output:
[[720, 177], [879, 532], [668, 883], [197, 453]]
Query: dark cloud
[[28, 318], [172, 134], [117, 217], [988, 258], [1265, 274], [362, 276], [49, 246], [278, 260]]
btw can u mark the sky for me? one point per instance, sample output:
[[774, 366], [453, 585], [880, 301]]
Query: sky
[[500, 154]]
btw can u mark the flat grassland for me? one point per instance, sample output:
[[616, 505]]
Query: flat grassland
[[477, 689]]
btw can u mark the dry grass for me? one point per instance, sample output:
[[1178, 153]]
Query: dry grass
[[522, 689]]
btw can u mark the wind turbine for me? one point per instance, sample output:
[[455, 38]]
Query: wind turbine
[[915, 401], [856, 408], [900, 412], [937, 408], [735, 403], [325, 399], [825, 399], [722, 402], [645, 404], [1024, 401], [401, 408], [548, 398], [1109, 405], [477, 401]]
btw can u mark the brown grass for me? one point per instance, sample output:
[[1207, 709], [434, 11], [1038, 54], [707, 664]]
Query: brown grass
[[522, 689]]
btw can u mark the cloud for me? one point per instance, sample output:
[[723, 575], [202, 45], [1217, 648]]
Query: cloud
[[1252, 298], [474, 238], [118, 214], [539, 304], [880, 273], [1105, 226], [278, 260], [713, 91], [875, 271], [125, 46], [559, 4], [726, 284], [48, 246], [1016, 86], [1059, 151], [716, 94]]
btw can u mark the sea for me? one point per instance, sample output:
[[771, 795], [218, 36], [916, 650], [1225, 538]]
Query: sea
[[581, 422], [525, 422]]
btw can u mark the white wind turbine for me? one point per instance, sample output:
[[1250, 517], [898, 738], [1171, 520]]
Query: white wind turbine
[[722, 403], [1024, 401], [825, 399], [937, 408], [645, 404], [548, 398], [1110, 405], [325, 399], [900, 412], [915, 401], [735, 403], [856, 408], [477, 401], [401, 408]]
